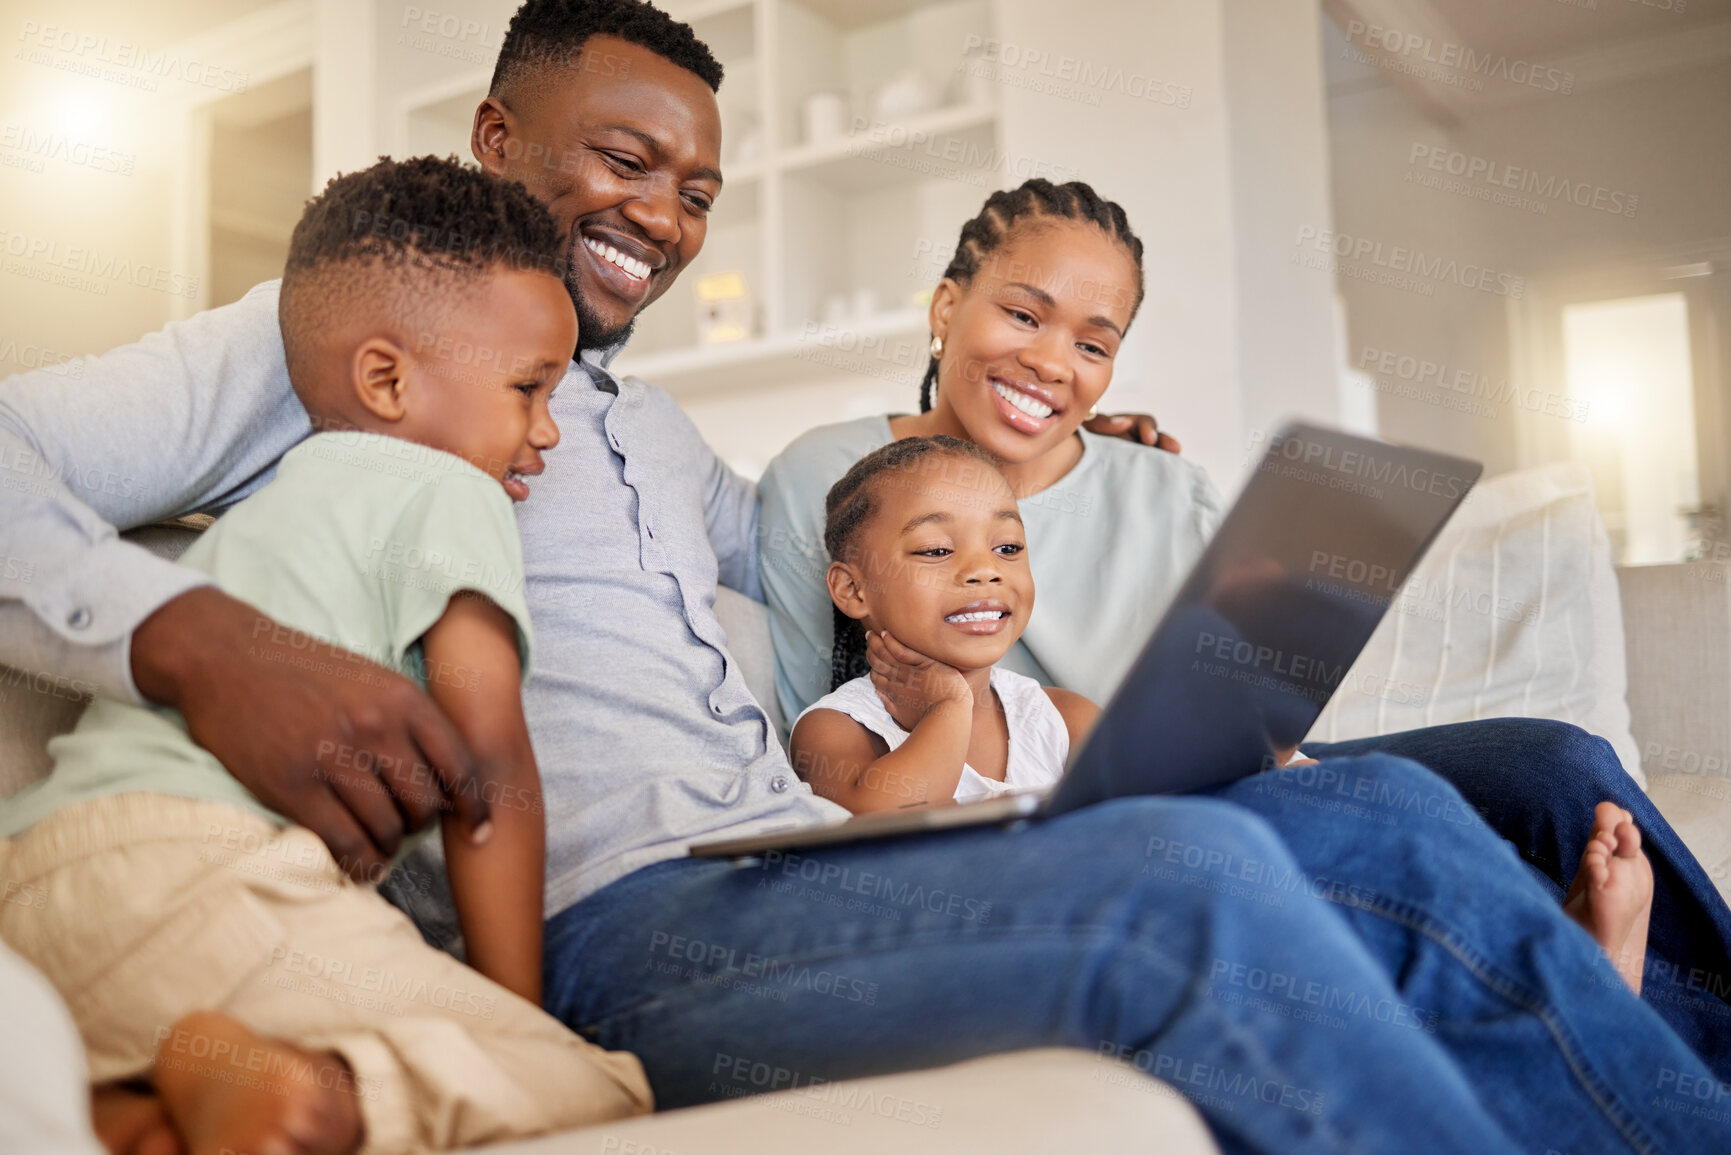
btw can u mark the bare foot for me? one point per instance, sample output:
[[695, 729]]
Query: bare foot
[[1612, 894], [132, 1122], [231, 1092]]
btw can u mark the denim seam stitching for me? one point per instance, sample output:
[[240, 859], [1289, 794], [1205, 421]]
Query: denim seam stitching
[[1608, 1101]]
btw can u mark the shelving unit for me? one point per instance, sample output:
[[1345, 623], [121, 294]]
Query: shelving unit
[[835, 238]]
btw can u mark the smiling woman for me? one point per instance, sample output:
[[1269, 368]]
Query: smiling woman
[[1027, 323]]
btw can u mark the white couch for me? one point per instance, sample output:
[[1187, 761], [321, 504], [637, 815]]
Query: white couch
[[1674, 626]]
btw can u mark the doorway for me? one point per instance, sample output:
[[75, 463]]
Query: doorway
[[1628, 362]]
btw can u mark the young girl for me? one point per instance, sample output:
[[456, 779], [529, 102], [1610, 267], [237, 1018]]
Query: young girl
[[931, 586]]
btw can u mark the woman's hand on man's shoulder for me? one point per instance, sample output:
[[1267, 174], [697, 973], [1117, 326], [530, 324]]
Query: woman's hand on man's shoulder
[[1141, 428]]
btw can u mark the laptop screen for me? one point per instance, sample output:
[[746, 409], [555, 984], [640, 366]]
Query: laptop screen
[[1272, 617]]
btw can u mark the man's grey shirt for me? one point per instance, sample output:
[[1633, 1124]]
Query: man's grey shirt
[[646, 736]]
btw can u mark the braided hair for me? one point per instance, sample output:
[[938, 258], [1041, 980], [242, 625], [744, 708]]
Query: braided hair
[[1005, 210], [851, 503]]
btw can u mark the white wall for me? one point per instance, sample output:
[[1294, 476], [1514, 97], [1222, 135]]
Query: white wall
[[1665, 139], [87, 169], [1230, 338]]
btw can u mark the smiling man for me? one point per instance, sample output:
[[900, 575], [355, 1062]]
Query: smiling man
[[621, 137], [1124, 929]]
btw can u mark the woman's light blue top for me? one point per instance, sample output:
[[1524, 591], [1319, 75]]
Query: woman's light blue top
[[1108, 545]]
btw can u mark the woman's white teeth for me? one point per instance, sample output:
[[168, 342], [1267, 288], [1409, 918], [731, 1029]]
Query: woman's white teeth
[[981, 616], [1033, 407], [606, 252]]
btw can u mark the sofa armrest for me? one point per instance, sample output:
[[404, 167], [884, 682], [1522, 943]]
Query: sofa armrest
[[1025, 1101], [1677, 629], [1678, 624]]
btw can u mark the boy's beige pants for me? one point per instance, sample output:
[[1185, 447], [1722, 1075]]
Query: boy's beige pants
[[142, 908]]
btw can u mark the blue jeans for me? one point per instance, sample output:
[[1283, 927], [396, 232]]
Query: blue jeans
[[1313, 978], [1536, 783]]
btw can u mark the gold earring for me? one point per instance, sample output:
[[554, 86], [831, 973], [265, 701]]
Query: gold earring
[[937, 347]]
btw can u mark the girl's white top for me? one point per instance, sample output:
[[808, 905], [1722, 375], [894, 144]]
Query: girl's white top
[[1039, 741]]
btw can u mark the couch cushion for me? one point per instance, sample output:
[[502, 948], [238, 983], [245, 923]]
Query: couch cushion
[[1027, 1101], [1679, 617], [1513, 612], [746, 624]]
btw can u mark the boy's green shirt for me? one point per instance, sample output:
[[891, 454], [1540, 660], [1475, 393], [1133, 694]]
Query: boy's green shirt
[[356, 545]]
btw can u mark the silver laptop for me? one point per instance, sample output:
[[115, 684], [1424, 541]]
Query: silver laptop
[[1259, 637]]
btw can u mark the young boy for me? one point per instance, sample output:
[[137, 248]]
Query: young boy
[[200, 940]]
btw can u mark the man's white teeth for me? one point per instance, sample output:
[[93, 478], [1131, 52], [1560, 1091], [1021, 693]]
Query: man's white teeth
[[606, 252], [980, 616], [1032, 406]]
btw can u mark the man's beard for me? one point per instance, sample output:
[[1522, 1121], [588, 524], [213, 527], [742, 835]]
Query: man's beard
[[591, 333]]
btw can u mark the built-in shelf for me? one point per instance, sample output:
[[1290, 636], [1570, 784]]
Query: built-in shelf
[[886, 345], [953, 143]]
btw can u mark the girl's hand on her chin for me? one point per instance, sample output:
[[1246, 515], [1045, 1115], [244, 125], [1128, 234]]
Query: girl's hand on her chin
[[910, 684]]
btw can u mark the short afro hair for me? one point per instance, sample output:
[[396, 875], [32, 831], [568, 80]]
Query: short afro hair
[[404, 240], [548, 32]]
